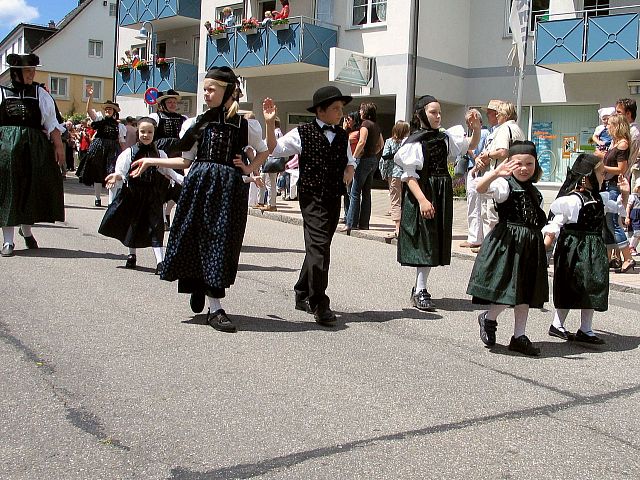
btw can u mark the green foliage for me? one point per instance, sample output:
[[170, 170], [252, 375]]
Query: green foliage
[[75, 117], [459, 188]]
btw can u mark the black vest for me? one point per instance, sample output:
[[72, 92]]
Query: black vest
[[139, 151], [169, 125], [435, 151], [591, 216], [322, 163], [222, 140], [21, 107], [523, 206], [107, 128]]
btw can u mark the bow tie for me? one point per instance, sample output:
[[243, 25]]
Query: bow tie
[[329, 127]]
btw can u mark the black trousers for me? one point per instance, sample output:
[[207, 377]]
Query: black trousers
[[320, 217]]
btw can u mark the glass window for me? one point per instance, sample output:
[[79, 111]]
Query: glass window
[[95, 48], [596, 8], [369, 11], [238, 13], [113, 9], [58, 86], [97, 89]]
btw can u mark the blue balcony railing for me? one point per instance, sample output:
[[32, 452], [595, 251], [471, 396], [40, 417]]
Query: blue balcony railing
[[177, 74], [136, 11], [589, 39], [302, 41]]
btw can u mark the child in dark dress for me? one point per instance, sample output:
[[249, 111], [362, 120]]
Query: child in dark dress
[[581, 270], [511, 267]]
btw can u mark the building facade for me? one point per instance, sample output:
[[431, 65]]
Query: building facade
[[22, 39]]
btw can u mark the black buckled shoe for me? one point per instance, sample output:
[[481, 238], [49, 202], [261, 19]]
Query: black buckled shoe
[[422, 300], [29, 241], [563, 334], [196, 302], [159, 268], [7, 250], [487, 329], [584, 338], [98, 202], [325, 317], [523, 345], [221, 322], [303, 306], [131, 261]]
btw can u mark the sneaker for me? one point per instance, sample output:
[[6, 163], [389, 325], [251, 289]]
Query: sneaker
[[586, 338], [221, 322], [422, 300], [523, 345], [131, 261], [487, 329]]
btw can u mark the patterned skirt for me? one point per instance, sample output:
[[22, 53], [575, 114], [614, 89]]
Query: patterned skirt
[[99, 162], [30, 179], [206, 236]]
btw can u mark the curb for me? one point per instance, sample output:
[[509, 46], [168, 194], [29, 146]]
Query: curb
[[296, 220]]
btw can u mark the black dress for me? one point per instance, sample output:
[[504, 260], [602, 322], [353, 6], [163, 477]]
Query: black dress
[[167, 138], [100, 160], [30, 178], [135, 217], [511, 267], [204, 243]]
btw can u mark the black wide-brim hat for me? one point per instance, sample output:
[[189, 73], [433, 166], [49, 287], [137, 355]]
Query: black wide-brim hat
[[328, 94], [168, 94], [28, 60], [111, 104]]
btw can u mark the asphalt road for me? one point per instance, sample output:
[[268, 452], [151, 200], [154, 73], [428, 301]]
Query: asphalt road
[[107, 374]]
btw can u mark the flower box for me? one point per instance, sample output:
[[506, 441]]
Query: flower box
[[218, 35], [249, 26], [124, 68], [249, 31], [280, 26]]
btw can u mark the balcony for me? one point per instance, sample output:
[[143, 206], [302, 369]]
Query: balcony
[[302, 47], [589, 44], [168, 14], [180, 75]]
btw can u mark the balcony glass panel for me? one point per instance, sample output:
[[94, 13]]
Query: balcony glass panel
[[177, 74], [613, 37], [132, 12]]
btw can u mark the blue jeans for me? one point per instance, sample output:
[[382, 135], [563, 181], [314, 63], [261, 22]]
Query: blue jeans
[[616, 232], [360, 212]]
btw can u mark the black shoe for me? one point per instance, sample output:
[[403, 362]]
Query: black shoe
[[325, 316], [487, 329], [584, 338], [303, 306], [196, 302], [29, 241], [422, 300], [564, 334], [131, 261], [221, 322], [523, 345], [98, 202], [167, 223], [159, 268], [615, 263], [7, 250]]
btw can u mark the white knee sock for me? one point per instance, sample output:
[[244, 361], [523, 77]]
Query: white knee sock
[[132, 251], [9, 234], [214, 304], [97, 189], [586, 317], [520, 314], [494, 311], [559, 318], [159, 253], [422, 274]]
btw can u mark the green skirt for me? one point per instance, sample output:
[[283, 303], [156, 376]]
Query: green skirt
[[426, 242], [30, 179], [511, 268], [581, 271]]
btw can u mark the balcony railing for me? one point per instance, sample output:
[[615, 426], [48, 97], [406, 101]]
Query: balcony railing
[[135, 11], [178, 74], [581, 42], [304, 41]]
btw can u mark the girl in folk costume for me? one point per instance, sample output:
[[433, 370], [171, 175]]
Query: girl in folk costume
[[135, 216], [424, 238], [30, 177], [204, 244], [107, 144], [581, 271], [511, 267]]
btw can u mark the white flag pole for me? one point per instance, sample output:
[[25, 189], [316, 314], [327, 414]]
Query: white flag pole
[[524, 60]]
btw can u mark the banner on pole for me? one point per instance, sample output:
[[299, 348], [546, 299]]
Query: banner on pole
[[519, 25]]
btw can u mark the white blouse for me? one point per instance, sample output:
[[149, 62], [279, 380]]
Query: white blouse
[[409, 156], [123, 165]]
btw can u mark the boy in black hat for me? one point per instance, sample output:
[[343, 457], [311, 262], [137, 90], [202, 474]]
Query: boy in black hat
[[326, 164]]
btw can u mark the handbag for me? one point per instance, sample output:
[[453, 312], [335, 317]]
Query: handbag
[[274, 165], [461, 167]]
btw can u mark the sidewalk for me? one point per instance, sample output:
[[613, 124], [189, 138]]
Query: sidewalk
[[381, 230]]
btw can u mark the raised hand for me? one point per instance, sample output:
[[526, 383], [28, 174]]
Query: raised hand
[[505, 169], [89, 89], [269, 109]]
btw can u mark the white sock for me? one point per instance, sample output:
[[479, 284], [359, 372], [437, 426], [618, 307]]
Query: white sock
[[494, 311], [132, 251], [159, 253], [520, 313], [97, 189], [214, 304], [586, 317], [9, 234], [559, 318], [422, 274]]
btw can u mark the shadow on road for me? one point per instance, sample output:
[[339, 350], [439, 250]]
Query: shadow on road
[[264, 268], [272, 323], [64, 253], [258, 249]]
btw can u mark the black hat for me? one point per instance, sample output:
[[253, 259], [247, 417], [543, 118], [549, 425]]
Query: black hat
[[224, 74], [585, 164], [520, 147], [328, 94], [168, 94], [423, 102], [111, 104], [28, 60]]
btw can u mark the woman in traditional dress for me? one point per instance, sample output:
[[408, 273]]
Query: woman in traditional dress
[[511, 267], [424, 239], [108, 142], [30, 181], [581, 272], [204, 243]]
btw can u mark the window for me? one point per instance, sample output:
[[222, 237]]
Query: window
[[596, 8], [196, 49], [97, 89], [161, 49], [95, 48], [58, 86], [369, 11], [238, 13], [539, 12], [113, 10]]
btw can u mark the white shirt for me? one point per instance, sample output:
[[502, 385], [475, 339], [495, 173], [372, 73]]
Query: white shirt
[[291, 144], [123, 165]]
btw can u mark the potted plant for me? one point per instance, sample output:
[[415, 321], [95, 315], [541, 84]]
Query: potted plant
[[161, 62], [280, 24], [217, 32], [123, 67], [142, 65], [249, 26]]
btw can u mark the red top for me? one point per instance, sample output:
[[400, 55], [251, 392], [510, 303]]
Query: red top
[[284, 13], [85, 139]]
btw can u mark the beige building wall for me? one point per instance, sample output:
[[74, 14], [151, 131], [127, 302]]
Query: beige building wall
[[75, 100]]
